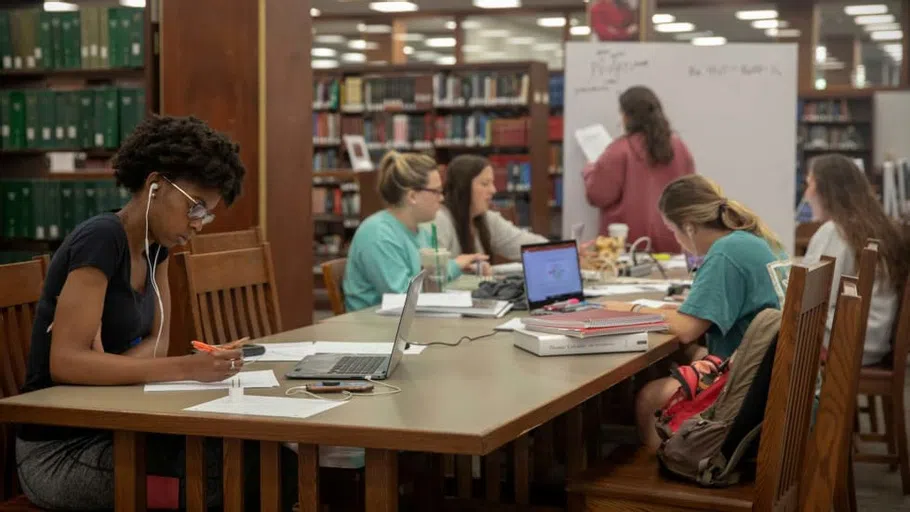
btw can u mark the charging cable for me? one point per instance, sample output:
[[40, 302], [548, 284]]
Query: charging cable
[[345, 395], [463, 338], [152, 267]]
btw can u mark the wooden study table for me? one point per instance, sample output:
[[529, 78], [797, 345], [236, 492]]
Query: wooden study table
[[470, 400]]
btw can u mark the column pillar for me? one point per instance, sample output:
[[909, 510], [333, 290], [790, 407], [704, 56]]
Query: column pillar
[[805, 18]]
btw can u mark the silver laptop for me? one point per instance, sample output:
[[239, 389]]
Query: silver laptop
[[360, 366]]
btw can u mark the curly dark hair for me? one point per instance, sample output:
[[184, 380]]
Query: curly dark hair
[[645, 115], [180, 148]]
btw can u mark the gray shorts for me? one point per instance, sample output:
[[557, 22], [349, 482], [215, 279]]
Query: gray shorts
[[78, 473]]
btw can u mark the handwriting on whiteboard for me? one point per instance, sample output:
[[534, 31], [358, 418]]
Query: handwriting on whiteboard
[[608, 68], [723, 70]]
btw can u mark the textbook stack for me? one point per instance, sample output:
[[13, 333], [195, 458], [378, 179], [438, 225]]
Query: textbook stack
[[596, 331]]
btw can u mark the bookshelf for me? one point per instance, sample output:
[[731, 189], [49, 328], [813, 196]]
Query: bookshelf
[[73, 85], [555, 136], [498, 110]]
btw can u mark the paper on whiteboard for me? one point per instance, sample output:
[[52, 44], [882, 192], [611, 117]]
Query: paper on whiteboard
[[593, 140]]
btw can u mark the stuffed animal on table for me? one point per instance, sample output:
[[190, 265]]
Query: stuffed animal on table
[[601, 255]]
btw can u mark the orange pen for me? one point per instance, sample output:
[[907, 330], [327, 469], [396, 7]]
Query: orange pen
[[205, 347]]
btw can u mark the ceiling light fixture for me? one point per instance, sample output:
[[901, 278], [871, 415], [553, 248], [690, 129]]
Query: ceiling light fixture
[[674, 27], [353, 57], [495, 32], [551, 22], [878, 18], [448, 60], [407, 50], [451, 25], [859, 10], [581, 30], [360, 44], [709, 41], [440, 42], [783, 32], [330, 39], [374, 29], [409, 37], [60, 7], [769, 24], [393, 6], [496, 4], [323, 52], [662, 18], [887, 35], [821, 54], [756, 15], [139, 4], [521, 40], [692, 35], [324, 64], [882, 26], [314, 12]]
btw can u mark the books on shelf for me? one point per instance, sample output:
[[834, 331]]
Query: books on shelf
[[91, 38], [557, 87], [99, 117], [480, 88], [49, 209], [326, 94], [828, 110], [822, 138], [398, 93], [326, 128], [336, 201]]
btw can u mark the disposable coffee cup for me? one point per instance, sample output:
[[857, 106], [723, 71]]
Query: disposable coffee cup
[[619, 232], [436, 263]]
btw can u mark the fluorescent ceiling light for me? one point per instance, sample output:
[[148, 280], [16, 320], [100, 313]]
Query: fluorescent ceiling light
[[886, 35], [709, 41], [374, 29], [496, 4], [60, 6], [581, 30], [893, 47], [674, 27], [314, 12], [662, 18], [393, 6], [408, 50], [440, 42], [878, 18], [323, 52], [875, 27], [409, 37], [551, 22], [756, 15], [324, 64], [521, 40], [426, 55], [446, 61], [360, 44], [353, 57], [451, 25], [783, 32], [544, 47], [472, 48], [821, 54], [330, 39], [692, 35], [769, 24], [495, 32], [859, 10], [831, 65], [470, 24], [133, 3]]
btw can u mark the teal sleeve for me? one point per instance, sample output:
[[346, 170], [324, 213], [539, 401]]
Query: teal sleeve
[[717, 294], [386, 268], [454, 271]]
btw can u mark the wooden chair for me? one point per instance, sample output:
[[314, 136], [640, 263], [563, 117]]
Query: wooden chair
[[22, 283], [228, 241], [333, 275], [887, 381], [233, 294], [633, 481]]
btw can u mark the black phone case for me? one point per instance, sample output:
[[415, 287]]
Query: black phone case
[[253, 350]]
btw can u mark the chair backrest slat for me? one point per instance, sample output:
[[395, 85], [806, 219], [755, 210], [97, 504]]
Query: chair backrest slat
[[233, 293], [333, 276], [829, 443], [228, 241], [787, 413]]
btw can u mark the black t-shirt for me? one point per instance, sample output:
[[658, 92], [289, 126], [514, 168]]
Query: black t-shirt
[[128, 316]]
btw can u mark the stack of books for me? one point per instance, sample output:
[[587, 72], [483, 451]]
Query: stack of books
[[595, 331]]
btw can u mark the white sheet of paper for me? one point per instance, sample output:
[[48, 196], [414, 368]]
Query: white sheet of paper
[[623, 289], [278, 406], [456, 299], [293, 351], [593, 140], [511, 325], [253, 379], [656, 304]]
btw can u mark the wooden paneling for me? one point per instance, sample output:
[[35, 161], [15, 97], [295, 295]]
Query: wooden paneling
[[209, 69], [289, 155], [804, 17]]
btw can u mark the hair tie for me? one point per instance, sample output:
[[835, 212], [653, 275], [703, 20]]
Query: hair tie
[[722, 207]]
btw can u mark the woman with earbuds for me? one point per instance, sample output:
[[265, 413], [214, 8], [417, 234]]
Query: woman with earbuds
[[103, 316], [385, 251], [730, 288]]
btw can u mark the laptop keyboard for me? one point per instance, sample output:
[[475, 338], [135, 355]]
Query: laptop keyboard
[[357, 365]]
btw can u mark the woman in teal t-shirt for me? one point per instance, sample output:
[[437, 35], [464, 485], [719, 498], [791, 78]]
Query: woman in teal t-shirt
[[385, 251], [730, 288]]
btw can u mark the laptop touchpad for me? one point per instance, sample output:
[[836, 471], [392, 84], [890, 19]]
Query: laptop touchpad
[[319, 363]]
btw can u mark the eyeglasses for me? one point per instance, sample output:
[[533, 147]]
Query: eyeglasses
[[436, 191], [198, 211]]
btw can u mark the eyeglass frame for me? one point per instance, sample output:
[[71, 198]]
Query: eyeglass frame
[[438, 191], [206, 216]]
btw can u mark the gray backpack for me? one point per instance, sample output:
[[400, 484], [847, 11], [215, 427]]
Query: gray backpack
[[718, 429]]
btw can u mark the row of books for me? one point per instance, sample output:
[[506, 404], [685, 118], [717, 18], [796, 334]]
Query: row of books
[[557, 89], [326, 159], [79, 119], [556, 191], [511, 173], [522, 209], [834, 138], [555, 166], [827, 110], [91, 38], [410, 131], [326, 128], [43, 209], [555, 128], [334, 201], [479, 129], [481, 88]]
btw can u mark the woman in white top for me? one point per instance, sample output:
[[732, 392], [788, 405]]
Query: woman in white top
[[466, 224], [842, 198]]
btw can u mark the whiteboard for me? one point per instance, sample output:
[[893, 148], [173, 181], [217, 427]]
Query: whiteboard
[[733, 105]]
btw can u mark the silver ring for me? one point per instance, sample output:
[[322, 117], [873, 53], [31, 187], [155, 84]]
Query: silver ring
[[232, 365]]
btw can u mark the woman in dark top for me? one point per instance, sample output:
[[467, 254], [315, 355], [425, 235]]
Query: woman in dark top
[[103, 317]]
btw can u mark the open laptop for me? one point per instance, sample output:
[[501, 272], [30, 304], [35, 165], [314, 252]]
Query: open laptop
[[551, 273], [361, 366]]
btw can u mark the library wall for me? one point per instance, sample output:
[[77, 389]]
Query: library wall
[[892, 129]]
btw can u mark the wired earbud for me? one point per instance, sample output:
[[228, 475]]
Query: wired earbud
[[152, 267]]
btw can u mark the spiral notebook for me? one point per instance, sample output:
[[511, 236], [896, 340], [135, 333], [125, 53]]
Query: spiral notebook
[[594, 319]]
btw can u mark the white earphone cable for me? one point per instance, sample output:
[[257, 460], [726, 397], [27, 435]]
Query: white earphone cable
[[152, 268]]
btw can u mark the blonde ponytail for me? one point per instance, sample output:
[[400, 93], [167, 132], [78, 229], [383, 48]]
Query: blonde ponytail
[[736, 216], [400, 172]]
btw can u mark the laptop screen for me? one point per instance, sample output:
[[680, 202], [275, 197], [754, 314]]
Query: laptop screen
[[552, 273], [407, 318]]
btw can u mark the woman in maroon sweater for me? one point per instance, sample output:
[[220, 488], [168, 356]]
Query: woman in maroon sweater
[[627, 179]]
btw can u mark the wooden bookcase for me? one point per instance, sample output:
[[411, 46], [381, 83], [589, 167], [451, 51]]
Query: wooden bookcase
[[32, 198], [429, 108]]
